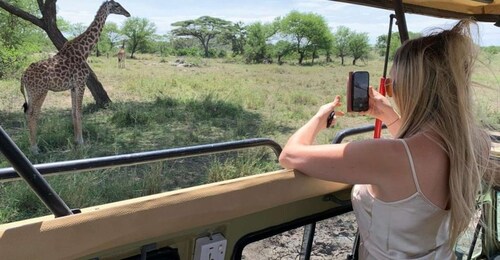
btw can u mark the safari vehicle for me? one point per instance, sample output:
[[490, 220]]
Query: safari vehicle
[[218, 220]]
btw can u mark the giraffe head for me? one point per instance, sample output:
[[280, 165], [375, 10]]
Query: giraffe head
[[116, 8]]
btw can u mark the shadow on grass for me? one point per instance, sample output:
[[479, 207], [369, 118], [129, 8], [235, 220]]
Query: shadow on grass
[[131, 127], [139, 126]]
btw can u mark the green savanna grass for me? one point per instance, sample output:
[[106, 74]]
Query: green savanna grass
[[159, 106]]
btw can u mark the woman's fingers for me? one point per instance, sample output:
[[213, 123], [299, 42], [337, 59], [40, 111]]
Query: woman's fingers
[[372, 92], [336, 101]]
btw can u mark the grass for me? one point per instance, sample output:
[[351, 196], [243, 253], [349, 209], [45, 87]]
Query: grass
[[160, 106]]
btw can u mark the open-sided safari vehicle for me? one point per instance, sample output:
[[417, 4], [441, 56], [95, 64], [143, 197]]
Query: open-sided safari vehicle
[[218, 220]]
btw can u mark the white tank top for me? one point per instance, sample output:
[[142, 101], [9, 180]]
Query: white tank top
[[411, 228]]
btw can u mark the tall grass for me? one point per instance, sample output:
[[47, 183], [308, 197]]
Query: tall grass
[[159, 106]]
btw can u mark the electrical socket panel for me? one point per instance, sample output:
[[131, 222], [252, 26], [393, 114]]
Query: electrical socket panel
[[210, 247]]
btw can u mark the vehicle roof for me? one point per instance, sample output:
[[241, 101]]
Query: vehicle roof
[[481, 10]]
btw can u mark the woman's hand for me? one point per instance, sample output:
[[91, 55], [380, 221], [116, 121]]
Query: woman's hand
[[380, 107], [325, 111]]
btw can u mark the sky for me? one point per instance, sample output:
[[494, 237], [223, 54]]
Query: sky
[[163, 13]]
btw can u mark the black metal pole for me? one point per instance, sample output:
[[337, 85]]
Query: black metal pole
[[31, 175], [307, 241], [400, 16], [388, 47]]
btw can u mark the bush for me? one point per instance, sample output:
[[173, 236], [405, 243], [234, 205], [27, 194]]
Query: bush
[[12, 62], [194, 52]]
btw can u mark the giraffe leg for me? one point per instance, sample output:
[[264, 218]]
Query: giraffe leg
[[32, 113], [76, 113]]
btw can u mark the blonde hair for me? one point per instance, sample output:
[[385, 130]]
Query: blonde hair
[[432, 88]]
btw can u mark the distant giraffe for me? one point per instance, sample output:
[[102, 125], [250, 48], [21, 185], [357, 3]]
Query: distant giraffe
[[121, 57], [67, 70]]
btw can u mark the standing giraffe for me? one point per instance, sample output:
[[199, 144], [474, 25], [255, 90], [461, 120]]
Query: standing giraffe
[[121, 57], [67, 70]]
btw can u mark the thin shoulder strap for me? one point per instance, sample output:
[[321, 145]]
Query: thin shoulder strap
[[413, 172]]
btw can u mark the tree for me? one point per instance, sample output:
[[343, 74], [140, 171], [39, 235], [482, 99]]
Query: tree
[[281, 49], [308, 32], [359, 46], [204, 29], [341, 42], [236, 36], [329, 51], [256, 48], [323, 40], [17, 41], [111, 37], [139, 32], [381, 44], [162, 44], [490, 52], [186, 46], [48, 23]]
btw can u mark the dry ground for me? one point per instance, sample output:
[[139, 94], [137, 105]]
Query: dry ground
[[333, 239]]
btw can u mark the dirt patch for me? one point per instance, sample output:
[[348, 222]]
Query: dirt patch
[[333, 239]]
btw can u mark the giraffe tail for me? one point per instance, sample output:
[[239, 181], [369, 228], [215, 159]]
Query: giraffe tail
[[25, 105]]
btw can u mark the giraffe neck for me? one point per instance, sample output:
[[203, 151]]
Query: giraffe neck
[[82, 45]]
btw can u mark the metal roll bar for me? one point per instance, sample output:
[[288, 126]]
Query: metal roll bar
[[142, 157], [32, 174], [339, 137]]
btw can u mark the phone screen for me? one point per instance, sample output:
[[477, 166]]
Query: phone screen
[[360, 81]]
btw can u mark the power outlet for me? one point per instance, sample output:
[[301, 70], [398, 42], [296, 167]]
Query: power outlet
[[210, 247]]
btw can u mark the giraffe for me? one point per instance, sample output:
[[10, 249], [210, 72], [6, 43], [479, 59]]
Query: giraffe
[[121, 57], [67, 70]]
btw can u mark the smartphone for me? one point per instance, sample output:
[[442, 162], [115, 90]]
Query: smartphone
[[357, 91]]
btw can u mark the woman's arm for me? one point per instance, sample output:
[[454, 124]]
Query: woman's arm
[[369, 161]]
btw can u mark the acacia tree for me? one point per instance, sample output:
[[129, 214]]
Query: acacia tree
[[139, 32], [308, 32], [46, 19], [341, 42], [204, 29], [359, 46]]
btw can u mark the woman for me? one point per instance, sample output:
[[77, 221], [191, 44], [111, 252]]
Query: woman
[[415, 194]]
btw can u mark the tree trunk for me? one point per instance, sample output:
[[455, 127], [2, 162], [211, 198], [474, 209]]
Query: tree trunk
[[313, 54], [96, 89], [206, 50], [342, 60], [132, 50], [97, 52], [328, 56]]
